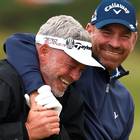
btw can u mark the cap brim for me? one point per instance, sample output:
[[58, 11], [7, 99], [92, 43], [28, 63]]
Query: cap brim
[[83, 58], [119, 21], [81, 51]]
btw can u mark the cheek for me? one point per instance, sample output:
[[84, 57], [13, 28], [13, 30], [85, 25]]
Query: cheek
[[126, 53], [59, 71], [129, 46], [62, 71], [96, 48]]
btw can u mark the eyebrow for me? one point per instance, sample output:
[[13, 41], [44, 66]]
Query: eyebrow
[[125, 30]]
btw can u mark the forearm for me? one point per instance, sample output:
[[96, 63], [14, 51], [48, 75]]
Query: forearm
[[25, 59]]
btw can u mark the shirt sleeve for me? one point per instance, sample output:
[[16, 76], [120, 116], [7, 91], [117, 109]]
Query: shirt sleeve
[[129, 125], [21, 53]]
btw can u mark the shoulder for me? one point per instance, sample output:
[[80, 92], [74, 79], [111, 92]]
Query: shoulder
[[9, 76], [91, 73], [19, 39], [7, 72], [6, 68], [92, 78], [121, 91], [19, 42]]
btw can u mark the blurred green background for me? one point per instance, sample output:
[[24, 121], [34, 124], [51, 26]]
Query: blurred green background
[[18, 17]]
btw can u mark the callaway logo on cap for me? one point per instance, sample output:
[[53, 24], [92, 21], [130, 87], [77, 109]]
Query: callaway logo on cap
[[115, 11], [77, 49]]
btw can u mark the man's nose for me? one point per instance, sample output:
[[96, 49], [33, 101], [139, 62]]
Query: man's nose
[[75, 75], [115, 42]]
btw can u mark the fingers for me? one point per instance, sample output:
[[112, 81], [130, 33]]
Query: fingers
[[42, 124], [55, 131], [53, 128], [53, 122]]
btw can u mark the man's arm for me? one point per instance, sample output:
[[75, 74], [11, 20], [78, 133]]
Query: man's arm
[[11, 125], [129, 125], [21, 53]]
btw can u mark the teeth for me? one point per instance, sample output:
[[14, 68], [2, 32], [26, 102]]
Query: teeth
[[65, 81]]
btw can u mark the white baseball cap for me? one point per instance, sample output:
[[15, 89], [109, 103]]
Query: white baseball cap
[[77, 49]]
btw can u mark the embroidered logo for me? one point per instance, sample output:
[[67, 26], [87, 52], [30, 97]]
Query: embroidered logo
[[115, 6], [70, 42], [94, 16], [117, 12], [115, 115]]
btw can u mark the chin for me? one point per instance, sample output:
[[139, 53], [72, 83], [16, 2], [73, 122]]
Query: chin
[[58, 93], [110, 68]]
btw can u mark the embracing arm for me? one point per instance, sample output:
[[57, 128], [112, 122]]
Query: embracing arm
[[21, 53]]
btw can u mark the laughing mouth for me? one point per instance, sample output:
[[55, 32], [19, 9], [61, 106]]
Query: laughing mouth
[[67, 83], [114, 51], [111, 52]]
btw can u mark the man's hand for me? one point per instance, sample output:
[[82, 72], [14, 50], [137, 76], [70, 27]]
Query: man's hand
[[41, 122]]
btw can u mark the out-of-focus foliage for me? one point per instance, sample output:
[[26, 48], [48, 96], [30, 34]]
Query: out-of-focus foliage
[[17, 17]]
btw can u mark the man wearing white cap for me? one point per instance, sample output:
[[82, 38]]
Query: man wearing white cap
[[63, 49]]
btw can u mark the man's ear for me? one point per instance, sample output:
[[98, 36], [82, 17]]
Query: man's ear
[[134, 40], [135, 37], [43, 49], [90, 28]]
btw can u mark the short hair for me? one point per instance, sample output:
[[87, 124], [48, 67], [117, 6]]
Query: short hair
[[64, 26]]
